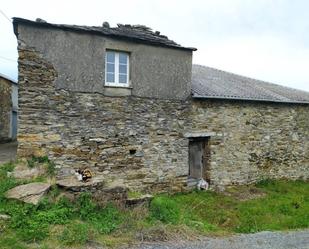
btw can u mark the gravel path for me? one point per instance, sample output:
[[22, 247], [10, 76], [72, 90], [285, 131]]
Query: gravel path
[[262, 240]]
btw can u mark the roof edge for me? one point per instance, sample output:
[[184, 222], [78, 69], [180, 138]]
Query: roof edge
[[248, 99], [18, 20], [8, 78]]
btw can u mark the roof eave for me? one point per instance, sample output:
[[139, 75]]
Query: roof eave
[[9, 79], [248, 99]]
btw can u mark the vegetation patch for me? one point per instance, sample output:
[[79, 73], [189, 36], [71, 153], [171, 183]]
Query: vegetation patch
[[134, 195], [58, 222], [34, 161], [165, 209], [75, 233]]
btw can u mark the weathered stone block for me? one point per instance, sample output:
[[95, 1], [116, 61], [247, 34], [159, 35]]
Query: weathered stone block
[[29, 193]]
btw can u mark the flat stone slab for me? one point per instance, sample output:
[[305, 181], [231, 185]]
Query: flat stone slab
[[71, 183], [29, 193]]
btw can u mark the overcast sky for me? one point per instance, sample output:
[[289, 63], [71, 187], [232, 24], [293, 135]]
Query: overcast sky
[[264, 39]]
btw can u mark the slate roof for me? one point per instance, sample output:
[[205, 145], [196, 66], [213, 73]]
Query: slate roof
[[216, 84], [135, 33]]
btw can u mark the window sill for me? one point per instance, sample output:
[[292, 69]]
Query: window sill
[[115, 86], [117, 91]]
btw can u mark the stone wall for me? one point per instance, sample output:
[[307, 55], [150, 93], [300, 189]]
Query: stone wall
[[5, 109], [139, 142], [79, 59], [132, 141], [254, 140]]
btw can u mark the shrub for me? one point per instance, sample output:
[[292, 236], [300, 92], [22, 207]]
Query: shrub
[[53, 216], [51, 168], [31, 223], [165, 209], [85, 206], [27, 228], [106, 220], [6, 183]]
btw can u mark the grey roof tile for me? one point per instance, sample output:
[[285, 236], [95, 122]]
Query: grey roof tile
[[213, 83], [136, 33]]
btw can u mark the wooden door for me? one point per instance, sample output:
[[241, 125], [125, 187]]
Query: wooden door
[[206, 160], [199, 158], [195, 159]]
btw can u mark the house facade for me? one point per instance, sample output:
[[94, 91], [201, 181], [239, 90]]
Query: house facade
[[8, 108], [123, 102]]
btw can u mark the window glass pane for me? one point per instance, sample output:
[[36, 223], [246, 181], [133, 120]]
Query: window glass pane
[[123, 69], [123, 58], [122, 78], [110, 67], [110, 57], [110, 77]]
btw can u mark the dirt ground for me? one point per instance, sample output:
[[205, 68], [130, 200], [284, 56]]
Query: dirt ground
[[8, 152]]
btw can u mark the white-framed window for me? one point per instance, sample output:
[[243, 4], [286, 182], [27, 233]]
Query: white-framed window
[[116, 68]]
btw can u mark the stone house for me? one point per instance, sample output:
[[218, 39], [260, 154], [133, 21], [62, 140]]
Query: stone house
[[126, 103], [8, 108]]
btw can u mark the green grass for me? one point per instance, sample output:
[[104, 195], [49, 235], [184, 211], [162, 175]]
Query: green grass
[[165, 209], [10, 242], [75, 233], [31, 223], [58, 222], [285, 206]]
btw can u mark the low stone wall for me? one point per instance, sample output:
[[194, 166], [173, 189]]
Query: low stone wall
[[254, 140], [133, 141], [5, 109]]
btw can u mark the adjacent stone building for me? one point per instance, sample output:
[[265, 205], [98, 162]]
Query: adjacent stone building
[[8, 109], [126, 103]]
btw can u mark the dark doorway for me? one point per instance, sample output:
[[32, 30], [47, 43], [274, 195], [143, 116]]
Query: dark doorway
[[199, 158], [14, 125]]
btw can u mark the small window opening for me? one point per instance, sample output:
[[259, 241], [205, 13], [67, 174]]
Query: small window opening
[[117, 68]]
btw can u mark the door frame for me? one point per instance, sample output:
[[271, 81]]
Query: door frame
[[206, 156]]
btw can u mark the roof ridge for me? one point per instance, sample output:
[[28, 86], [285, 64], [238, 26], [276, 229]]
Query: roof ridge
[[136, 33]]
